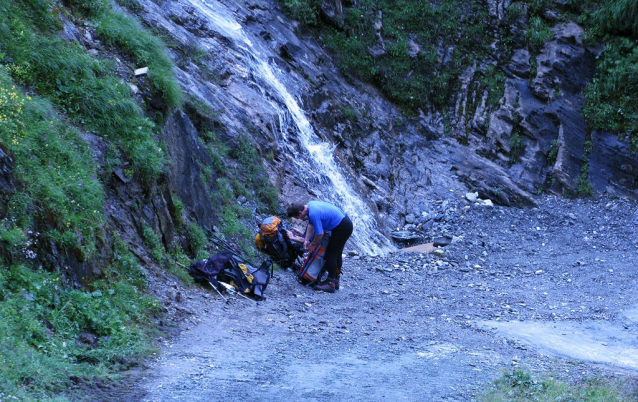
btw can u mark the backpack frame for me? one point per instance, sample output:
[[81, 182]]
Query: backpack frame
[[312, 270]]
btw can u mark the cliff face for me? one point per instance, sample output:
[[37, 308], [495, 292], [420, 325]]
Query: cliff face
[[396, 161], [400, 165], [534, 139]]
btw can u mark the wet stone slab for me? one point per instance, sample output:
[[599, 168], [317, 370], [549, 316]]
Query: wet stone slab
[[604, 342]]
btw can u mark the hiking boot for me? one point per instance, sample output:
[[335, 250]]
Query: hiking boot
[[337, 282], [328, 286]]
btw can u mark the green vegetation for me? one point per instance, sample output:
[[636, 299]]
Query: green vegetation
[[53, 96], [84, 87], [611, 97], [492, 81], [305, 11], [152, 242], [410, 71], [538, 33], [618, 17], [51, 336], [147, 51], [59, 189], [584, 185], [517, 146], [419, 49], [197, 239], [520, 386], [239, 172], [552, 157]]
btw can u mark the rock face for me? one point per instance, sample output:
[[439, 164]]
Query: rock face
[[186, 170], [534, 139], [538, 135]]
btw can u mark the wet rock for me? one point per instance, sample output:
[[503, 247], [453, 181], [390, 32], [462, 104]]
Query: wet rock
[[405, 236], [442, 241]]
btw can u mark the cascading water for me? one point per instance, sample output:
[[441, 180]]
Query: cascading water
[[317, 163]]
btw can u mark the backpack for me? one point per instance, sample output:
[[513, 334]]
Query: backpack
[[312, 269], [273, 240], [228, 268]]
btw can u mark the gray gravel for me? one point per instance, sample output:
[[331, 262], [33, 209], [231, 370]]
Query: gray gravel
[[551, 290]]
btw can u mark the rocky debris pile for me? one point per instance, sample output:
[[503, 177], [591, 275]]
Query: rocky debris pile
[[434, 222]]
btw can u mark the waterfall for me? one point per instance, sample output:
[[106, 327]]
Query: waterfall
[[317, 165]]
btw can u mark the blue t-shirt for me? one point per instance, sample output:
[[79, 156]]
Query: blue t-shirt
[[324, 216]]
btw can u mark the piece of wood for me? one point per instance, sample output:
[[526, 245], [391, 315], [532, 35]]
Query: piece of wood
[[421, 248]]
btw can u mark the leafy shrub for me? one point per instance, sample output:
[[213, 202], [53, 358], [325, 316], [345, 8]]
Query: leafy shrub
[[305, 11], [153, 242], [538, 33], [66, 333], [553, 153], [517, 146], [520, 385], [611, 102], [53, 165], [197, 239], [584, 186], [618, 16]]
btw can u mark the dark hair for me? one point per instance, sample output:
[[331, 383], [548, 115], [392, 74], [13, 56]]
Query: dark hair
[[295, 209]]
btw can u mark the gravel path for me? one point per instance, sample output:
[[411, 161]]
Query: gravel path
[[551, 290]]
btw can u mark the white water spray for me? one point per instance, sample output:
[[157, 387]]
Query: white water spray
[[319, 165]]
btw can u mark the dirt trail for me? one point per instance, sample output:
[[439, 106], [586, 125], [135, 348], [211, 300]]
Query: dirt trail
[[548, 290]]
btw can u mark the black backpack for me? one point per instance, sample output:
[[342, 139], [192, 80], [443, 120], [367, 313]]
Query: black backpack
[[273, 240], [228, 268]]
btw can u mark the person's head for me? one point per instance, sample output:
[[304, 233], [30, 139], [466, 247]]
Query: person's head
[[298, 210]]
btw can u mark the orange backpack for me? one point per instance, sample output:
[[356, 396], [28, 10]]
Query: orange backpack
[[273, 240]]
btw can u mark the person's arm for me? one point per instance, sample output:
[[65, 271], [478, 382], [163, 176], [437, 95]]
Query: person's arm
[[317, 239], [294, 238], [310, 231]]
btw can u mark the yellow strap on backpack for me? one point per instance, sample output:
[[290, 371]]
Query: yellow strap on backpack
[[250, 277], [259, 242]]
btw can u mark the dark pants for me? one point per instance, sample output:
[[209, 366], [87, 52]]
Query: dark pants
[[338, 239]]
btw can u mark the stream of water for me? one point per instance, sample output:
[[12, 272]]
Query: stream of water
[[315, 161]]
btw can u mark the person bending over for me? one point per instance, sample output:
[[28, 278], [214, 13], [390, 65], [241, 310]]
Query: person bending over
[[324, 217]]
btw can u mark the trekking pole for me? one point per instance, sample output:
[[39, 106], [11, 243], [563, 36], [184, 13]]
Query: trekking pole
[[214, 287], [218, 292], [232, 290], [219, 240], [221, 243]]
